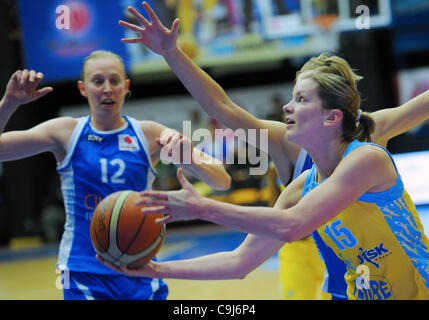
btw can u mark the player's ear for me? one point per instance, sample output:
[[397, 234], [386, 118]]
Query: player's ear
[[127, 84], [334, 117], [82, 89]]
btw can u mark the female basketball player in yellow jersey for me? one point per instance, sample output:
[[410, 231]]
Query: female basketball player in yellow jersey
[[390, 122], [353, 196]]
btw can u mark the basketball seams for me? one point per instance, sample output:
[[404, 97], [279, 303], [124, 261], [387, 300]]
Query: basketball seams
[[136, 234], [115, 208], [113, 228], [105, 249], [131, 258]]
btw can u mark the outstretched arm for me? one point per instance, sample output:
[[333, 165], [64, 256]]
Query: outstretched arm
[[208, 93], [322, 204], [236, 264], [395, 121]]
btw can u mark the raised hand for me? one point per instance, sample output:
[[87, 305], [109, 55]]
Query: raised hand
[[22, 88], [153, 34]]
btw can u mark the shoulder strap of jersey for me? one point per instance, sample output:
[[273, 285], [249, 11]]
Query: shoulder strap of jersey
[[142, 138], [73, 141], [304, 162], [394, 192]]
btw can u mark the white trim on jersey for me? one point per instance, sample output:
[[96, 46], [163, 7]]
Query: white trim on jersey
[[140, 135], [85, 290], [123, 127], [155, 285], [68, 191], [299, 163], [73, 141]]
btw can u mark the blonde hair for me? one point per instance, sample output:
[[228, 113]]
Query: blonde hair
[[337, 88], [102, 54]]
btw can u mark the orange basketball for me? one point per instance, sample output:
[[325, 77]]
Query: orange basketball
[[121, 234]]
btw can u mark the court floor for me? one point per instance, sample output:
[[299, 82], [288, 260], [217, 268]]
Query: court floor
[[30, 274]]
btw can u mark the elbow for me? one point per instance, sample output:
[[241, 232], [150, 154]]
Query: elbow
[[239, 266], [241, 273], [241, 276], [222, 182], [289, 234], [225, 184]]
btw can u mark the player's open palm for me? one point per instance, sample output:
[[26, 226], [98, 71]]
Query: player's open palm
[[153, 34], [22, 87]]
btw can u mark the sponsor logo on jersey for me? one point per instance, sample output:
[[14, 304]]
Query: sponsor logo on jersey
[[93, 137], [377, 289], [373, 255], [128, 143]]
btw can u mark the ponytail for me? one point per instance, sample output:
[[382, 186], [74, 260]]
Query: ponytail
[[365, 126], [359, 127]]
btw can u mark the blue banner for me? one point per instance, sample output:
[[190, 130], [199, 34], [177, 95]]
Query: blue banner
[[58, 35]]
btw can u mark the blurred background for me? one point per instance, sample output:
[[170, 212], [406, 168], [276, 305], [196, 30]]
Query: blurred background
[[253, 48]]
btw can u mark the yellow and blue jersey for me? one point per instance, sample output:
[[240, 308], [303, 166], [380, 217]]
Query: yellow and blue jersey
[[301, 267], [381, 241]]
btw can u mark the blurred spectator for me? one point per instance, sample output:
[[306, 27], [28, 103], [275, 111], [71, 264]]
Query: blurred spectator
[[276, 113]]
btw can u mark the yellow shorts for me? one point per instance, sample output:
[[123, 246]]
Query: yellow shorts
[[302, 271]]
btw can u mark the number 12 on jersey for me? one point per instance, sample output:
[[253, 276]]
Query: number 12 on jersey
[[119, 165]]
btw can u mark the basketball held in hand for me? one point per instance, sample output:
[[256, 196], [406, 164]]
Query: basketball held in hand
[[121, 234]]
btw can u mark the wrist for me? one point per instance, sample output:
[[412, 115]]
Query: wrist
[[173, 53], [6, 104], [206, 208], [157, 270]]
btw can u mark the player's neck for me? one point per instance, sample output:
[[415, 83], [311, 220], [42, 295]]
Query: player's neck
[[327, 158], [107, 123]]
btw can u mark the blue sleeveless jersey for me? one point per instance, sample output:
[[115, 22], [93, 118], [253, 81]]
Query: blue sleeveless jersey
[[97, 164]]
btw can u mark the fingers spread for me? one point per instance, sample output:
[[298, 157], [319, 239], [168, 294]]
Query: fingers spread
[[130, 26], [160, 195], [131, 40], [139, 17], [154, 210], [151, 13]]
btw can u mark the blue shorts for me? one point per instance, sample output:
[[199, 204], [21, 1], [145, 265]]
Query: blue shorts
[[88, 286]]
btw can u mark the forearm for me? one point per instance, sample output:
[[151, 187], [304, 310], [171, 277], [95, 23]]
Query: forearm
[[208, 170], [218, 266], [7, 108], [205, 90], [272, 223], [395, 121]]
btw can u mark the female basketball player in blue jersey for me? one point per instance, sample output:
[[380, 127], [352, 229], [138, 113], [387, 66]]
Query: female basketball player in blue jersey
[[97, 155], [390, 122]]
